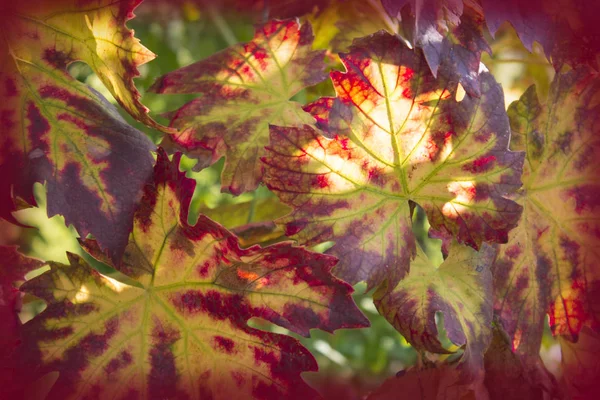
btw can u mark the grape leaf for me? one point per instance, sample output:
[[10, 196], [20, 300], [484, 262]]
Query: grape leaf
[[51, 35], [460, 288], [13, 270], [184, 332], [568, 30], [62, 132], [549, 264], [395, 133], [244, 88], [342, 21], [450, 34]]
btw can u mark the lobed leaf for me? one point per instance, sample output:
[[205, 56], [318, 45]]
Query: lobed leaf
[[450, 34], [13, 270], [244, 88], [57, 130], [549, 264], [459, 289], [184, 332], [395, 134]]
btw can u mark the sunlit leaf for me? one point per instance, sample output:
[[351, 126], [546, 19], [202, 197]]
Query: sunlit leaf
[[185, 332], [244, 89], [450, 34], [460, 289], [550, 264], [57, 130], [342, 21], [395, 134]]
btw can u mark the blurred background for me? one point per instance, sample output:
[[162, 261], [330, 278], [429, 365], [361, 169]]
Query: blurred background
[[351, 362]]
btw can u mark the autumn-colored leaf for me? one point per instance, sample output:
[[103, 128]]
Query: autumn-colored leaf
[[13, 268], [395, 134], [568, 30], [450, 34], [341, 21], [50, 35], [244, 89], [550, 263], [459, 289], [184, 333], [57, 130]]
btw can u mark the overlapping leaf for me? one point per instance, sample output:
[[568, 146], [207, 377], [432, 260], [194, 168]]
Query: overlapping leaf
[[396, 134], [568, 30], [341, 21], [450, 34], [13, 268], [184, 332], [57, 130], [550, 264], [459, 289], [244, 89]]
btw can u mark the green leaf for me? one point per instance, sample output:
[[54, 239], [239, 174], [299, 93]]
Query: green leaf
[[460, 288], [244, 89], [185, 332], [395, 134]]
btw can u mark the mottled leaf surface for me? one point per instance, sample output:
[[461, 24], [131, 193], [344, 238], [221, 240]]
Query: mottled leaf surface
[[550, 263], [460, 289], [394, 133], [342, 21], [13, 268], [57, 130], [244, 89], [450, 34], [568, 30], [184, 332]]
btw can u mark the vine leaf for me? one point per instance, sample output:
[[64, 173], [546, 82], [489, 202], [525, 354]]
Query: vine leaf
[[450, 34], [14, 268], [244, 88], [567, 29], [184, 332], [57, 130], [549, 264], [341, 21], [460, 289], [394, 134]]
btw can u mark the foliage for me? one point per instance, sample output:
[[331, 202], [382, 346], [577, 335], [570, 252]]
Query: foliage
[[403, 173]]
